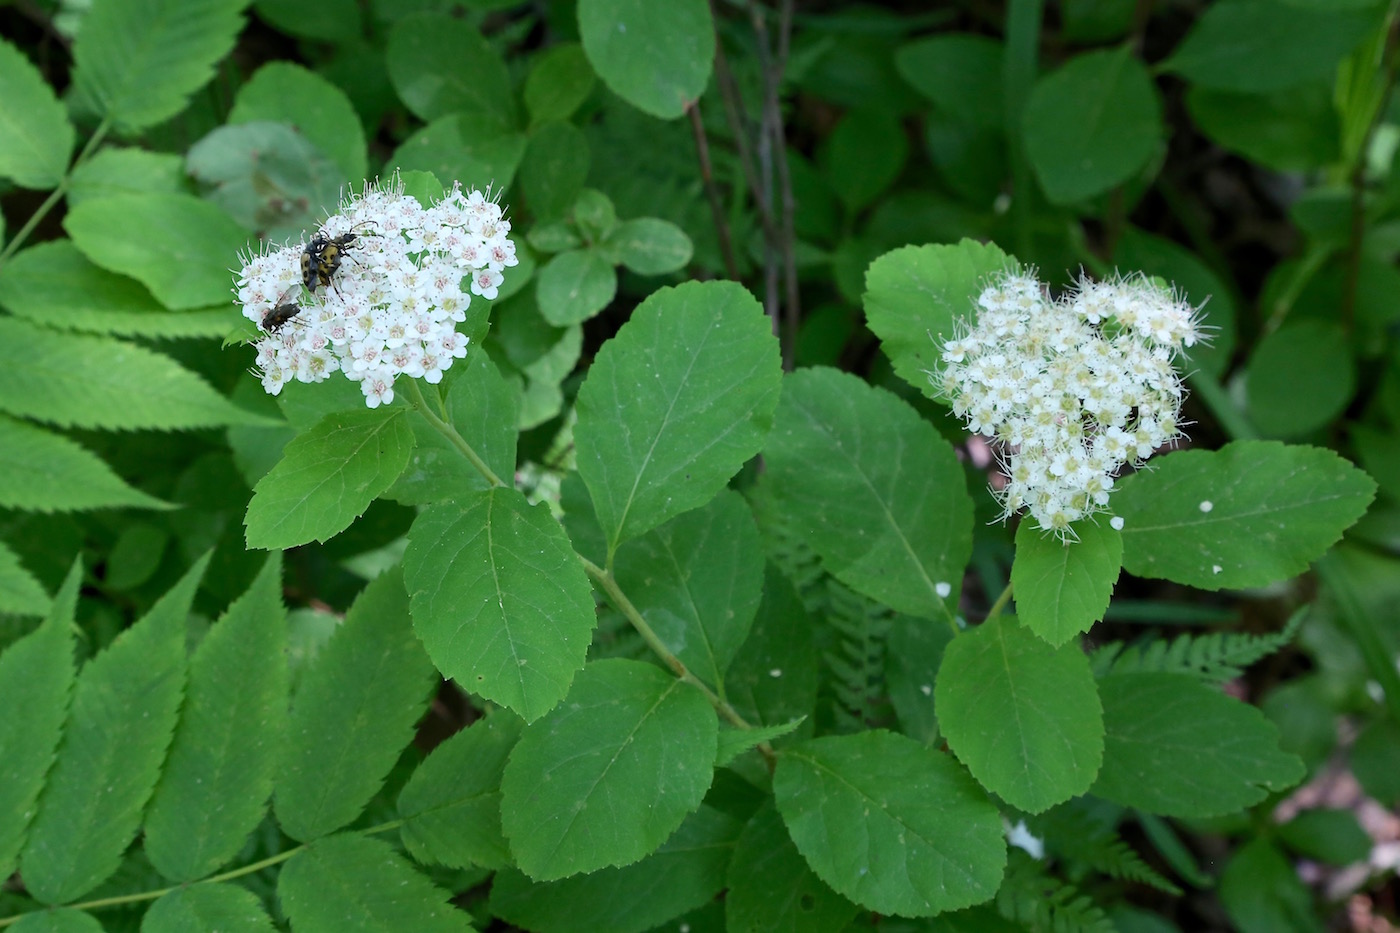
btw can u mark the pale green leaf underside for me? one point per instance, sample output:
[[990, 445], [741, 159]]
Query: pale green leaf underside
[[286, 92], [217, 779], [675, 404], [500, 598], [1063, 588], [225, 908], [328, 477], [1246, 515], [874, 489], [47, 472], [892, 825], [353, 713], [574, 286], [609, 775], [95, 382], [35, 135], [357, 884]]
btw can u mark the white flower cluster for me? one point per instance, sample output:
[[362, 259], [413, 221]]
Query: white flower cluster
[[393, 303], [1074, 388]]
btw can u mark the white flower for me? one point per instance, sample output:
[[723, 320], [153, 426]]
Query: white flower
[[1075, 388], [393, 304]]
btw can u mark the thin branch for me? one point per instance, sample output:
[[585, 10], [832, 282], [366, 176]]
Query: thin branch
[[702, 149]]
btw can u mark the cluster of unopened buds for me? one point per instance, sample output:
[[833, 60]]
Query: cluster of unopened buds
[[390, 294], [1073, 389]]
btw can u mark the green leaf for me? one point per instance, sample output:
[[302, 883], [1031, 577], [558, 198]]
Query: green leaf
[[773, 678], [124, 710], [595, 214], [559, 81], [1293, 130], [1375, 760], [734, 742], [913, 652], [554, 168], [1178, 747], [93, 382], [1262, 45], [877, 492], [1246, 515], [864, 155], [328, 477], [354, 711], [47, 472], [915, 295], [216, 782], [773, 890], [287, 92], [960, 73], [609, 775], [484, 407], [20, 593], [574, 286], [55, 285], [683, 874], [1024, 717], [387, 894], [198, 908], [649, 246], [1300, 378], [697, 581], [1063, 587], [470, 148], [442, 65], [36, 675], [1334, 837], [175, 244], [61, 920], [894, 826], [1262, 893], [36, 138], [138, 62], [1092, 124], [451, 806], [499, 598], [657, 58], [124, 170], [675, 404]]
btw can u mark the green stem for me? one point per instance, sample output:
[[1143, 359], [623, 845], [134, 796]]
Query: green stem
[[449, 432], [54, 197], [1000, 604]]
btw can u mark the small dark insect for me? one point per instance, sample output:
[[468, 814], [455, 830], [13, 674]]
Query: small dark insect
[[323, 256], [280, 314]]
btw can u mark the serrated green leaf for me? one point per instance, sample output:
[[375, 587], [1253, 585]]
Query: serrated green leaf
[[554, 168], [649, 246], [47, 472], [36, 675], [559, 81], [1092, 124], [176, 245], [1063, 587], [451, 806], [683, 874], [442, 65], [697, 581], [117, 170], [62, 920], [138, 62], [200, 908], [657, 58], [36, 138], [328, 477], [388, 895], [500, 598], [1024, 717], [961, 73], [892, 825], [125, 706], [675, 404], [320, 110], [1178, 747], [773, 678], [773, 890], [875, 489], [216, 782], [20, 593], [1246, 515], [734, 742], [484, 407], [915, 295], [913, 652], [470, 148], [574, 286], [1300, 377], [55, 285], [354, 710], [609, 775], [94, 382]]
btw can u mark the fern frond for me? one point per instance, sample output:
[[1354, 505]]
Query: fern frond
[[856, 658], [1214, 657], [1045, 904], [789, 550], [1075, 835]]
